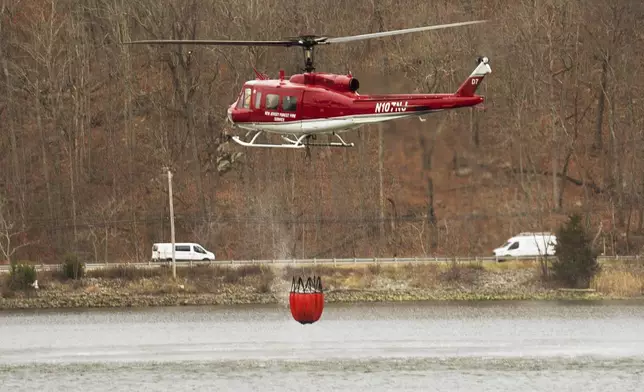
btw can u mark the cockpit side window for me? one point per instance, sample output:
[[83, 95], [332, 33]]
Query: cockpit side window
[[247, 93]]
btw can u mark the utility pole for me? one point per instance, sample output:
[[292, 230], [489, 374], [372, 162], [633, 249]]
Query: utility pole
[[174, 264], [381, 193]]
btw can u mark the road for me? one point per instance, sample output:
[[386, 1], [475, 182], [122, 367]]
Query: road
[[339, 261]]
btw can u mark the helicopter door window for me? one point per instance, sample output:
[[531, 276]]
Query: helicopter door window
[[247, 93], [272, 101], [289, 104], [258, 99]]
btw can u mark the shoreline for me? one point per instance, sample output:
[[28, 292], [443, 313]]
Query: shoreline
[[170, 300], [206, 285]]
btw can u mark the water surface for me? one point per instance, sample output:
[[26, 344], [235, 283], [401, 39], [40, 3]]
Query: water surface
[[491, 346]]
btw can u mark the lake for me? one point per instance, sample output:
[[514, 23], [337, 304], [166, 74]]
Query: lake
[[457, 346]]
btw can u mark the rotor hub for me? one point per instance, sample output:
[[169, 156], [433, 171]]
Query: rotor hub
[[308, 42]]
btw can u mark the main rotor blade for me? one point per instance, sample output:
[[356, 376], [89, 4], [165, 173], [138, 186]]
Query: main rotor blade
[[395, 32], [214, 42]]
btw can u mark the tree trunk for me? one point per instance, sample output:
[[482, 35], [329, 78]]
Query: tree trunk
[[18, 180], [553, 123], [431, 215], [189, 105], [474, 128], [615, 163], [603, 83], [72, 190], [43, 152]]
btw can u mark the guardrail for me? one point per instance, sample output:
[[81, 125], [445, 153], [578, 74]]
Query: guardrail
[[315, 261]]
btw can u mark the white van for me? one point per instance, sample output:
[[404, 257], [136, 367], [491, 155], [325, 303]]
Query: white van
[[528, 244], [182, 251]]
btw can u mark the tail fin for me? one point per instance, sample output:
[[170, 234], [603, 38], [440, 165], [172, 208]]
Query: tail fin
[[468, 88]]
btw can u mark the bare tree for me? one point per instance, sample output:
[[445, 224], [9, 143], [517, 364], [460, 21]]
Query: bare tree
[[11, 237], [87, 124], [9, 110]]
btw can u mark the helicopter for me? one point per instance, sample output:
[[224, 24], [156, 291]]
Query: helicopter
[[308, 104]]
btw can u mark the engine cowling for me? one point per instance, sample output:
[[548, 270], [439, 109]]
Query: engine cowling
[[342, 83]]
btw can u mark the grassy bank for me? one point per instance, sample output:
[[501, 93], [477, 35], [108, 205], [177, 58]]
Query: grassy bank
[[255, 284]]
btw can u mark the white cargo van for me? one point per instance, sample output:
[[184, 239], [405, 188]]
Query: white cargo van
[[528, 244], [182, 251]]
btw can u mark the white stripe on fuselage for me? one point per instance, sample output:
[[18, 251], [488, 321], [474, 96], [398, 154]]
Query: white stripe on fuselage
[[334, 124]]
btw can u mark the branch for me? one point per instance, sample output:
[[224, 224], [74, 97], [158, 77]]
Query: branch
[[20, 246], [594, 187]]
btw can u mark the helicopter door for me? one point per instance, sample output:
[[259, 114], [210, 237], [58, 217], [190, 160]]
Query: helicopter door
[[257, 100], [292, 105]]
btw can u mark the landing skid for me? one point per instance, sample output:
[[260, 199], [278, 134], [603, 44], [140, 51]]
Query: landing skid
[[301, 141]]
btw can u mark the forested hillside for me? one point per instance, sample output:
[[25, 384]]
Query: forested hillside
[[87, 126]]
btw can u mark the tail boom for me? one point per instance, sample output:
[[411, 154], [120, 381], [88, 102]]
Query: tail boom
[[471, 84]]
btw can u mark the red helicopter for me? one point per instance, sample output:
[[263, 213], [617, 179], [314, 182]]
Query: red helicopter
[[312, 103]]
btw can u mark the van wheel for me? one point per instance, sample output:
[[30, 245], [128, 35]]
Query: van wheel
[[501, 259], [204, 259]]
